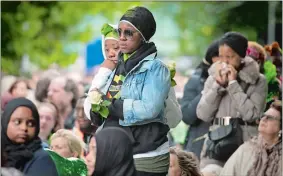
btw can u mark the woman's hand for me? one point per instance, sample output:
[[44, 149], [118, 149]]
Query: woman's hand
[[96, 119], [232, 73], [220, 76], [222, 80]]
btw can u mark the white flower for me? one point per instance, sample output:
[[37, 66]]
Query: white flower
[[95, 97]]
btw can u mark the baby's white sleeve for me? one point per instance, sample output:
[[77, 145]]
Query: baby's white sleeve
[[100, 79]]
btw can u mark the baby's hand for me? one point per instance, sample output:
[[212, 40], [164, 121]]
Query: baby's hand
[[109, 64]]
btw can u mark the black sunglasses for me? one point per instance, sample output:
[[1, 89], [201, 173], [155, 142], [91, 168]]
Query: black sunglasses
[[128, 34]]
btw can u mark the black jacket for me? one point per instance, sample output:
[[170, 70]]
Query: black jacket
[[190, 100], [41, 164]]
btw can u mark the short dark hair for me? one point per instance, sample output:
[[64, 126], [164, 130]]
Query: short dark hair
[[80, 106], [41, 89]]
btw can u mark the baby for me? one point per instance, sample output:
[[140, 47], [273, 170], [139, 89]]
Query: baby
[[110, 50]]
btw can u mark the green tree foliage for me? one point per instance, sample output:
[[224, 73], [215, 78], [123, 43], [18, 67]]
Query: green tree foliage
[[42, 29], [196, 24], [250, 18]]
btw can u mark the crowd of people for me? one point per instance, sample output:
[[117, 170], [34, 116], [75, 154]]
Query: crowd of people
[[232, 104]]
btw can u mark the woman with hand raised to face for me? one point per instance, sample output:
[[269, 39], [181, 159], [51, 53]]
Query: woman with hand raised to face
[[234, 93], [138, 89]]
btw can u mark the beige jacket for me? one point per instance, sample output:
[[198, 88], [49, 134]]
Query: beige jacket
[[217, 101], [240, 163]]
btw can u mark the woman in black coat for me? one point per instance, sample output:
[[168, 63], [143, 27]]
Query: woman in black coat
[[20, 145], [191, 98]]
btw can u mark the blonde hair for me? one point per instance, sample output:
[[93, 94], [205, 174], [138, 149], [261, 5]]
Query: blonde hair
[[188, 162], [75, 144]]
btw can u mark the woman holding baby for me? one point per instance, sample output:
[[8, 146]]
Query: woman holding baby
[[234, 91]]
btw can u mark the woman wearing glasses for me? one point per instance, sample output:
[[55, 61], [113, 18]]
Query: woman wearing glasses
[[138, 89], [261, 155]]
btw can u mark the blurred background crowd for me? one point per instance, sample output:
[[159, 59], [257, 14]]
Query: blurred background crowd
[[50, 52]]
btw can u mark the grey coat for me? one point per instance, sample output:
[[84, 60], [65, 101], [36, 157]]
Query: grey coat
[[233, 101]]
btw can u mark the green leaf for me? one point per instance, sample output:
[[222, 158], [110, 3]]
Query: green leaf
[[106, 103], [173, 83], [95, 108], [172, 71], [104, 112]]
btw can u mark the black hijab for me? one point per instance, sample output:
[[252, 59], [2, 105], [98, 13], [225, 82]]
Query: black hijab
[[142, 19], [114, 156], [17, 155]]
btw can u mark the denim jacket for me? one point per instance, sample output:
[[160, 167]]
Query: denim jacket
[[144, 92]]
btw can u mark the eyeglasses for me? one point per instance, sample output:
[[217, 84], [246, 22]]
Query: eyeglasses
[[128, 34], [270, 117]]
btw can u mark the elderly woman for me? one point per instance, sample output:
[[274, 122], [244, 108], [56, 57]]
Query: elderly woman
[[233, 99], [260, 156], [138, 89]]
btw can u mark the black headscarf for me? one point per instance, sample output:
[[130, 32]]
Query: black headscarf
[[17, 155], [142, 19], [212, 51], [114, 156]]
